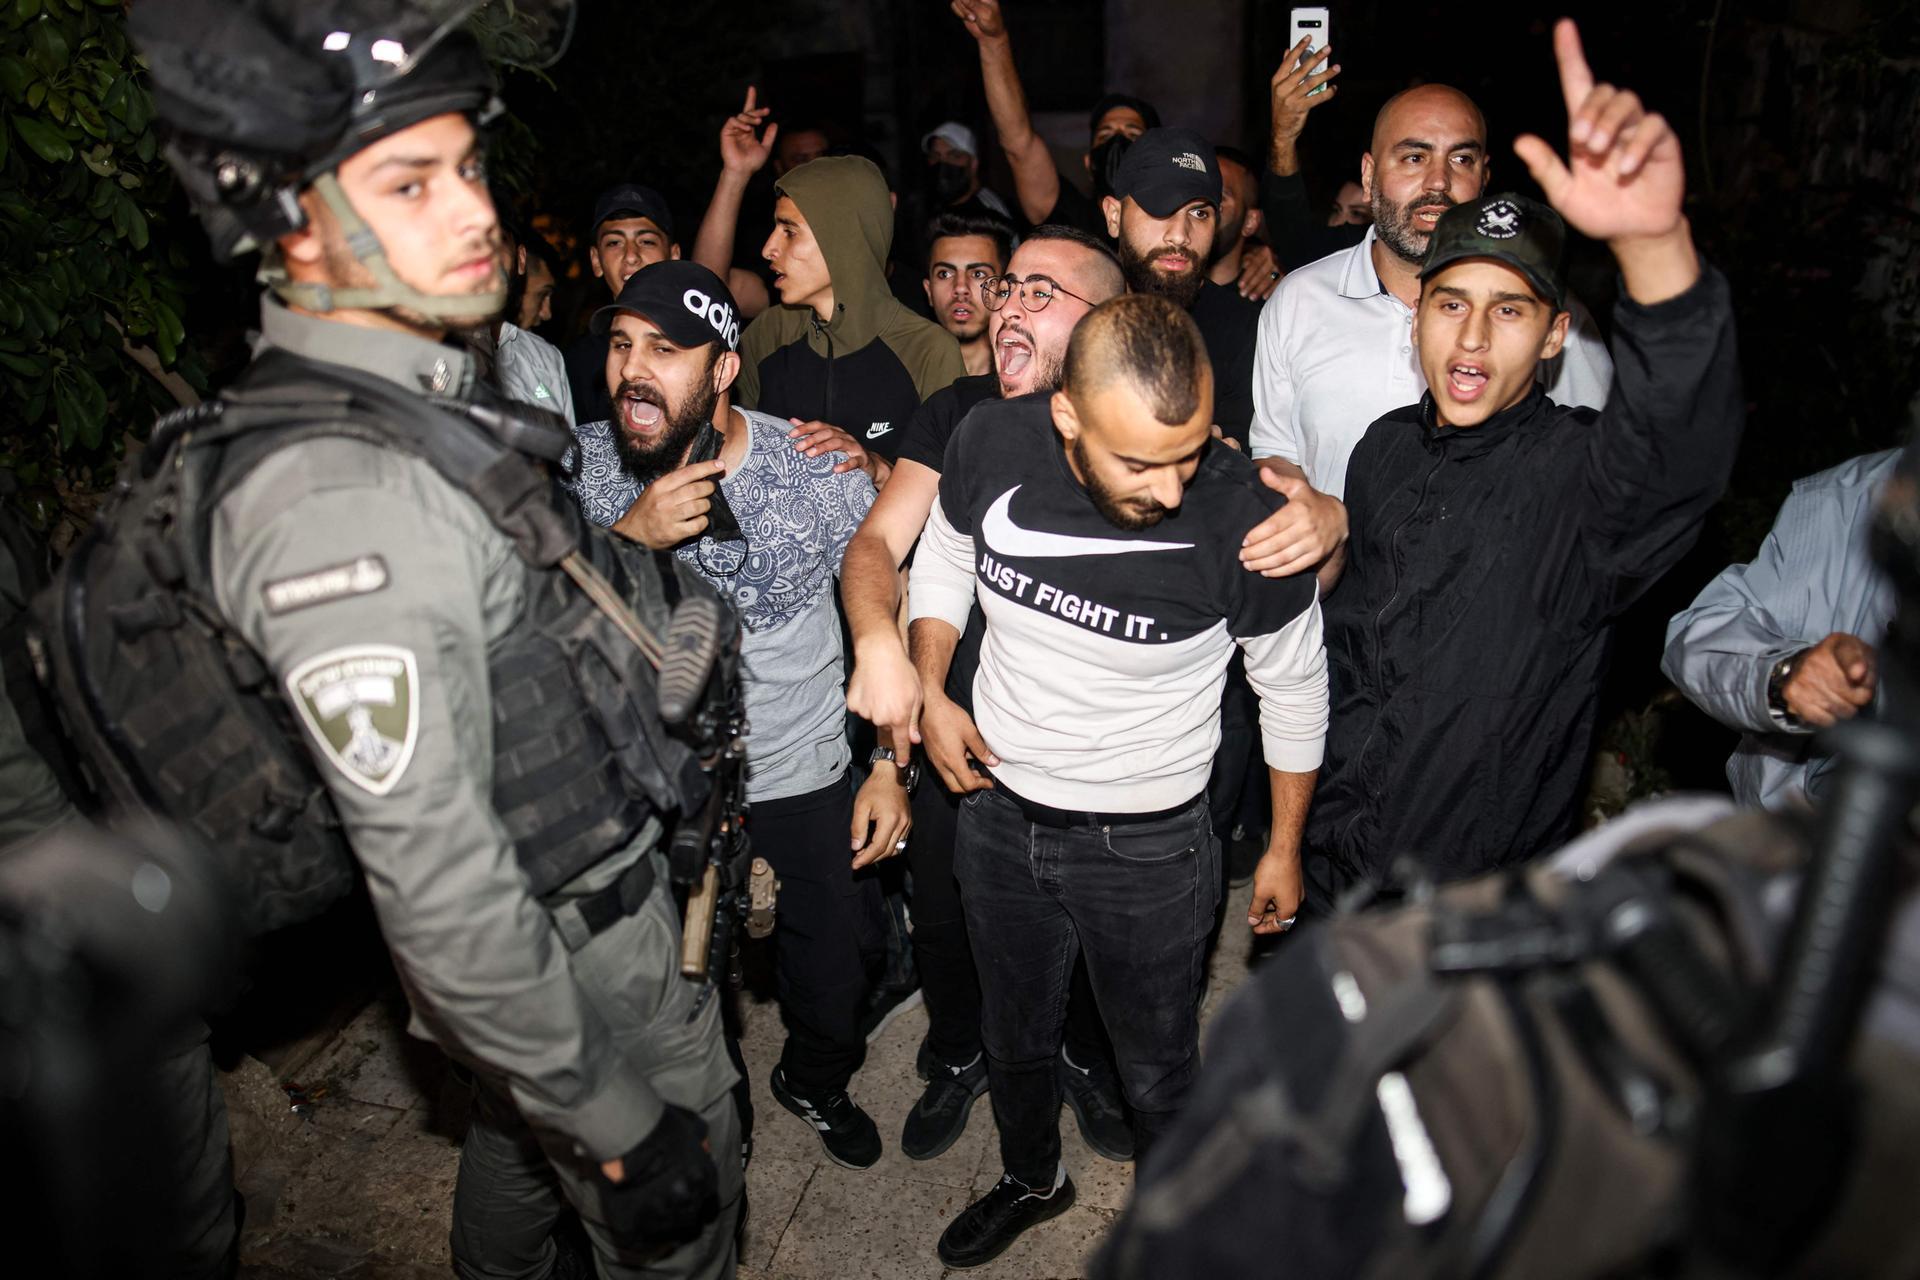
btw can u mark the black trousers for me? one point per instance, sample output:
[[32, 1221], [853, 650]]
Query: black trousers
[[829, 934], [944, 957]]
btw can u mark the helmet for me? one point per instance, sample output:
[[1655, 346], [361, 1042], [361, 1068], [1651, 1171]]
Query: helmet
[[261, 99]]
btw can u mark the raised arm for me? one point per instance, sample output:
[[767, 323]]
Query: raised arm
[[1296, 230], [1036, 182], [1662, 452], [743, 152]]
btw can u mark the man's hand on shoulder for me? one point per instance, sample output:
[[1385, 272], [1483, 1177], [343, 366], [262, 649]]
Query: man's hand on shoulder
[[1832, 681], [1299, 536], [815, 438], [672, 508]]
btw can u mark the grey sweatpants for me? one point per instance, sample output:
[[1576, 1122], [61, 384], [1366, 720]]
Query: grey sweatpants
[[514, 1178]]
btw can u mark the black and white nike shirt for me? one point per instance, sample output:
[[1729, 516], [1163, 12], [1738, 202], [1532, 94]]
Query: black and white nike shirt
[[1105, 653]]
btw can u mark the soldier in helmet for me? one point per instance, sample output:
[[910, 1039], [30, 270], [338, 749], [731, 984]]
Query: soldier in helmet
[[509, 833]]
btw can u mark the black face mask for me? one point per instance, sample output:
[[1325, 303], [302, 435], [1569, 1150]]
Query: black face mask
[[1105, 163], [946, 183]]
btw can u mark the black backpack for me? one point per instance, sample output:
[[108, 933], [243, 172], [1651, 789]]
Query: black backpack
[[1516, 1077], [172, 711]]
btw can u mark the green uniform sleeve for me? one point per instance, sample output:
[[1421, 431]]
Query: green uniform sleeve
[[372, 590]]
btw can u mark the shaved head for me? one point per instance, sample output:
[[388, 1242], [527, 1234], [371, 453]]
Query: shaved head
[[1408, 107], [1429, 153], [1136, 409], [1147, 343]]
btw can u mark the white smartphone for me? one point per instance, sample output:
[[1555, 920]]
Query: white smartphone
[[1310, 25]]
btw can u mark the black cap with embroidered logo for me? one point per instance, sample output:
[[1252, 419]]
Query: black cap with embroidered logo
[[1510, 229], [1165, 170], [689, 303], [631, 200]]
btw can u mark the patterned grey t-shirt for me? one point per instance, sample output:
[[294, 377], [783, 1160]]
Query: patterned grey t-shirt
[[797, 517]]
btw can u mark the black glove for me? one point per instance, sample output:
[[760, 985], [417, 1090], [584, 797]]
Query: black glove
[[671, 1189]]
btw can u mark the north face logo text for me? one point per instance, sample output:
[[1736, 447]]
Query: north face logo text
[[1188, 160], [717, 314]]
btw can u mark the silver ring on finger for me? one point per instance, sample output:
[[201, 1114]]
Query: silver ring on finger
[[899, 846]]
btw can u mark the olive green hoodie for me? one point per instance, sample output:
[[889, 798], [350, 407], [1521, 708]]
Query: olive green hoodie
[[868, 367]]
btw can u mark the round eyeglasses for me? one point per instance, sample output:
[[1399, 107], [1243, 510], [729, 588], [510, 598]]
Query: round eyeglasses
[[1035, 292]]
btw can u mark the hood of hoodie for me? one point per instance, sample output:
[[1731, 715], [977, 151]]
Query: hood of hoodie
[[844, 200]]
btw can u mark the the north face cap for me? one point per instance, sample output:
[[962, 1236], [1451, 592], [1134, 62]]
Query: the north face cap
[[691, 305], [1524, 234], [1165, 170]]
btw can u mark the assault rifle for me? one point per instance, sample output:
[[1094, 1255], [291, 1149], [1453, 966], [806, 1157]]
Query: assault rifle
[[710, 856]]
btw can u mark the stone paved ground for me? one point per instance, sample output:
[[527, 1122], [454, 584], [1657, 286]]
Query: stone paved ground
[[360, 1183]]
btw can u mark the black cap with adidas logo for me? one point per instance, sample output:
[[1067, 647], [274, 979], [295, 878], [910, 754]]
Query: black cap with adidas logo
[[1167, 169]]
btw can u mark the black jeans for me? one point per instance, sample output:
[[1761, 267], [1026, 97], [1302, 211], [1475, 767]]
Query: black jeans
[[830, 933], [1138, 900], [944, 958]]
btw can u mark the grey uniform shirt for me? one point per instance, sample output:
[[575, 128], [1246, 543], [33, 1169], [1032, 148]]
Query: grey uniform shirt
[[373, 590], [1814, 576], [532, 371]]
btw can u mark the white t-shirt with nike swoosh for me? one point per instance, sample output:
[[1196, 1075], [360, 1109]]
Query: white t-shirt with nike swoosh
[[1106, 649]]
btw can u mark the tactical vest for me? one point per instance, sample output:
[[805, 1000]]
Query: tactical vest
[[174, 712]]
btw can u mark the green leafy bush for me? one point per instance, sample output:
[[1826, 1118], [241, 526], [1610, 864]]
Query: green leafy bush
[[91, 281]]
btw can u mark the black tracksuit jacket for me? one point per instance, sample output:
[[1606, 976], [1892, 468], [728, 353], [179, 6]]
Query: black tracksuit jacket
[[1468, 636]]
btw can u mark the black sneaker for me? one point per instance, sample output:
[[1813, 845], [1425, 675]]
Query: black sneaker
[[1244, 850], [940, 1116], [848, 1133], [885, 1002], [1094, 1095], [986, 1227]]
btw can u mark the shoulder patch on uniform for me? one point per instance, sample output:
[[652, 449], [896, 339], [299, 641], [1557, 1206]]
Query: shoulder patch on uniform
[[360, 577], [360, 704]]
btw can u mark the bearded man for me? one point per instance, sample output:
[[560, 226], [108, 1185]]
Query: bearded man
[[680, 467]]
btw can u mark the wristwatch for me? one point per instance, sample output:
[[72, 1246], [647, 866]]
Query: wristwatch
[[909, 772], [1777, 692]]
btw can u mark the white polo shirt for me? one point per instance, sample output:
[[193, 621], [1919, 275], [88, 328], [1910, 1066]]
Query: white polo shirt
[[1336, 352]]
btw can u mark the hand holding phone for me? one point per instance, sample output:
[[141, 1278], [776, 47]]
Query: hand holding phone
[[1309, 25]]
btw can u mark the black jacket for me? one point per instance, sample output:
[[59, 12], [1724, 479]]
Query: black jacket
[[1467, 640]]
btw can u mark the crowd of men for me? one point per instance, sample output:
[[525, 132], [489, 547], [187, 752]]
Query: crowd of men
[[1168, 535]]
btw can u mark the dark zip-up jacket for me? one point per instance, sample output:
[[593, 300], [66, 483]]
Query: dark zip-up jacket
[[1486, 566], [872, 364]]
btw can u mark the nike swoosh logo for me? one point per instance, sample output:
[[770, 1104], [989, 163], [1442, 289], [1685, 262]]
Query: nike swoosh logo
[[1009, 539], [878, 429]]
